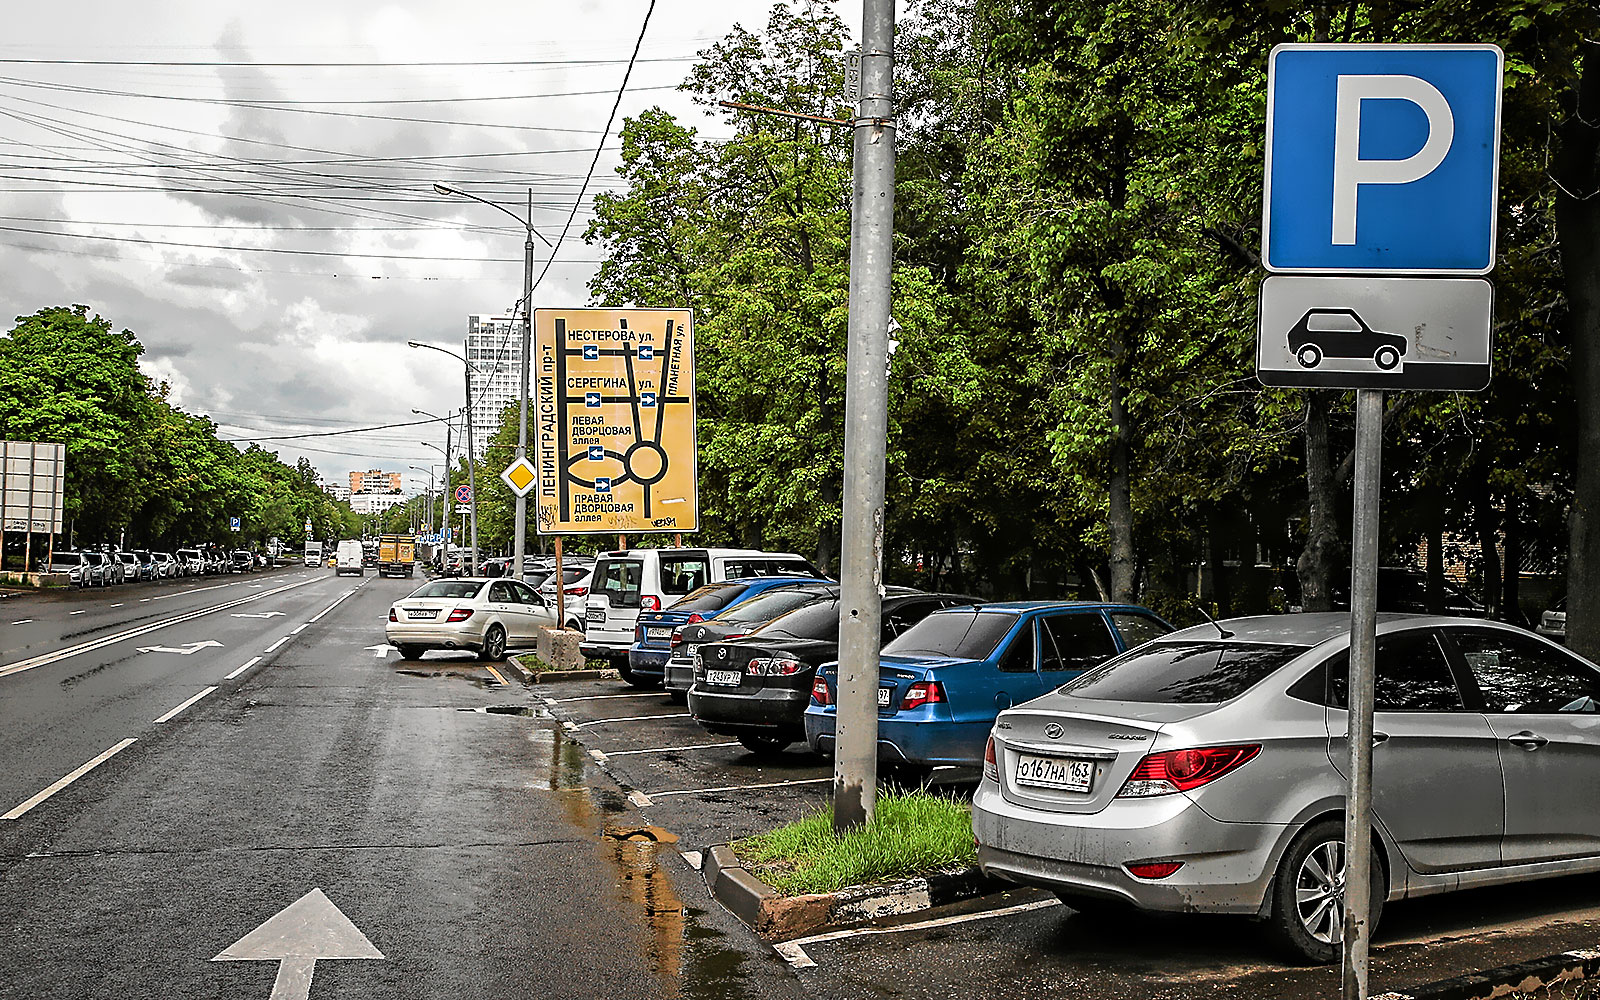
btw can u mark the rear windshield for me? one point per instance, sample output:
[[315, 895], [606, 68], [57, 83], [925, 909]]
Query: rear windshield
[[772, 604], [814, 621], [448, 588], [967, 633], [67, 558], [749, 566], [682, 574], [712, 597], [1183, 673], [195, 553], [618, 580]]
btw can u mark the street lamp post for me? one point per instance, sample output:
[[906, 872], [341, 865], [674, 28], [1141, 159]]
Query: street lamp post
[[521, 527], [472, 465], [444, 513], [427, 505]]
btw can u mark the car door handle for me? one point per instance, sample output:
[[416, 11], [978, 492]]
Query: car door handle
[[1379, 739], [1527, 741]]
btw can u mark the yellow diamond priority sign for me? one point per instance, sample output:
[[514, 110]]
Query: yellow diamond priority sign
[[520, 476]]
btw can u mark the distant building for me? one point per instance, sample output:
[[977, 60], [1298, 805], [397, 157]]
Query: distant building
[[374, 481], [375, 503], [336, 491], [494, 349]]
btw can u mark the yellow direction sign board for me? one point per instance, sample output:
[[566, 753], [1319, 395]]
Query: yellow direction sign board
[[615, 443], [520, 476]]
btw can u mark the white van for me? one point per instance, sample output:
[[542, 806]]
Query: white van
[[348, 559], [627, 582]]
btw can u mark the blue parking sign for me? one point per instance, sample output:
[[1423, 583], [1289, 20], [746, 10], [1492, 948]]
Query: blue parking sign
[[591, 400], [647, 399], [591, 352], [597, 453], [602, 485], [1382, 159], [647, 352]]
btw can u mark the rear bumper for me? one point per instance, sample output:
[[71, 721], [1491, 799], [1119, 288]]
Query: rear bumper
[[648, 662], [768, 709], [602, 651], [679, 675], [930, 742], [434, 636], [1227, 867]]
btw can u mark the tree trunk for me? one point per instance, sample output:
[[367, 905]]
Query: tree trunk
[[1510, 596], [1436, 563], [1121, 507], [1577, 167], [1315, 565], [1488, 540]]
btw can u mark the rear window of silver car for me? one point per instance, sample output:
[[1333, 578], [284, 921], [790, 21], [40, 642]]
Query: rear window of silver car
[[965, 633], [1183, 673], [456, 589]]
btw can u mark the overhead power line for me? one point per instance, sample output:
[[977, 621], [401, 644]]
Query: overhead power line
[[349, 430]]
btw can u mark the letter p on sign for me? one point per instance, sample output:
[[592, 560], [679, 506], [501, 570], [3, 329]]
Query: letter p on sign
[[1382, 159]]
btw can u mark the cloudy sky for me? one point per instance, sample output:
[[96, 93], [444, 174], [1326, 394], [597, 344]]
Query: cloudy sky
[[248, 187]]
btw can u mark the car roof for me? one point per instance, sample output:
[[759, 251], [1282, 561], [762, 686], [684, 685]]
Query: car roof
[[1312, 627], [1024, 606], [623, 553]]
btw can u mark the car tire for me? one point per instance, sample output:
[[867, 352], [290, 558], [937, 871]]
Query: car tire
[[494, 645], [1309, 356], [410, 652], [1386, 358], [764, 746], [1310, 930], [678, 697], [636, 680]]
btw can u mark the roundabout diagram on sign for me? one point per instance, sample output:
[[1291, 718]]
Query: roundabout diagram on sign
[[615, 447]]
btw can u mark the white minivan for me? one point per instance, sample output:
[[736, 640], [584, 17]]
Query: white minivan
[[627, 582], [348, 559]]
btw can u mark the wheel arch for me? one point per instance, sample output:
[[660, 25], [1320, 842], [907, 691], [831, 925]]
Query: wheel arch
[[1383, 847]]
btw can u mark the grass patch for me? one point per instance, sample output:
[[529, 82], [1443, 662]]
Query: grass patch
[[913, 833]]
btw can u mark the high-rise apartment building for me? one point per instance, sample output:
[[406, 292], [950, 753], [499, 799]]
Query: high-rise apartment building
[[374, 481], [494, 348]]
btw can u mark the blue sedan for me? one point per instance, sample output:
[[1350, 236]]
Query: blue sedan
[[942, 682], [653, 637]]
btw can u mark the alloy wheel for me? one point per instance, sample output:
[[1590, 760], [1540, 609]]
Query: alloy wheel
[[1319, 892]]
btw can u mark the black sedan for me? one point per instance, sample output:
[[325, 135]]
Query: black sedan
[[756, 688]]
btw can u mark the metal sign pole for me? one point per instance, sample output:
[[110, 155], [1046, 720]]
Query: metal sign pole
[[472, 469], [1363, 650], [855, 760], [520, 527], [561, 590]]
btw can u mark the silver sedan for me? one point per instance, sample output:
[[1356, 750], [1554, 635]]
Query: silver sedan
[[472, 613], [1205, 771]]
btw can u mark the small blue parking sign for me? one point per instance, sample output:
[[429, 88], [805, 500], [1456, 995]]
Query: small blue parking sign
[[591, 352], [597, 453], [233, 522], [647, 352], [591, 400], [602, 485], [1382, 159]]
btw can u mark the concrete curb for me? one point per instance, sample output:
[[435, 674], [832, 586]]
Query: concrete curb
[[778, 917], [554, 676], [1537, 976]]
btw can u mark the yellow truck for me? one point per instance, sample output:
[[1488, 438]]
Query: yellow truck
[[397, 555]]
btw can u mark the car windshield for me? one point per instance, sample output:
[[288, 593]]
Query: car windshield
[[968, 633], [711, 597], [1183, 673], [770, 605], [819, 620], [448, 588], [67, 558]]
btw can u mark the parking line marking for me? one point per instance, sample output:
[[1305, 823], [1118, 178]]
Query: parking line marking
[[696, 746], [247, 665], [639, 799], [794, 951], [174, 713], [692, 858], [739, 788], [274, 647], [69, 779], [602, 697], [634, 718], [598, 755], [496, 673]]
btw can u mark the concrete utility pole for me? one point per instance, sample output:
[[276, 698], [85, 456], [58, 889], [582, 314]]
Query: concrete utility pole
[[472, 471], [855, 761]]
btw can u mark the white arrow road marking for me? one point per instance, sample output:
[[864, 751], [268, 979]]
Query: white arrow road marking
[[383, 650], [184, 650], [264, 614], [306, 931]]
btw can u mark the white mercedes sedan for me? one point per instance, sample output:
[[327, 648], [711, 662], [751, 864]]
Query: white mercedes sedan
[[486, 616]]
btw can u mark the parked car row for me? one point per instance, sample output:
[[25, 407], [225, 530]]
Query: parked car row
[[105, 568]]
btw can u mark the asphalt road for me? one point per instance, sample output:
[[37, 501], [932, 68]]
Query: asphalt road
[[456, 828]]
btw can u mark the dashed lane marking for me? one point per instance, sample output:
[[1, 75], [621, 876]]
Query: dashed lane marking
[[634, 718], [738, 788], [318, 616], [242, 668], [174, 713], [695, 746], [794, 951], [76, 612], [274, 647], [24, 621], [22, 809], [117, 605]]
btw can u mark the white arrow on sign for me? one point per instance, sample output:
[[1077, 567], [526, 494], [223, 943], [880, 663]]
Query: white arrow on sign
[[383, 650], [184, 650], [265, 614], [308, 929]]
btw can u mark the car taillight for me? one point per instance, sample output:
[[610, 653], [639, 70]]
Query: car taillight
[[459, 615], [392, 616], [578, 591], [991, 768], [922, 693], [1181, 770], [819, 691], [694, 619], [1154, 869], [677, 637], [650, 602], [774, 666]]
